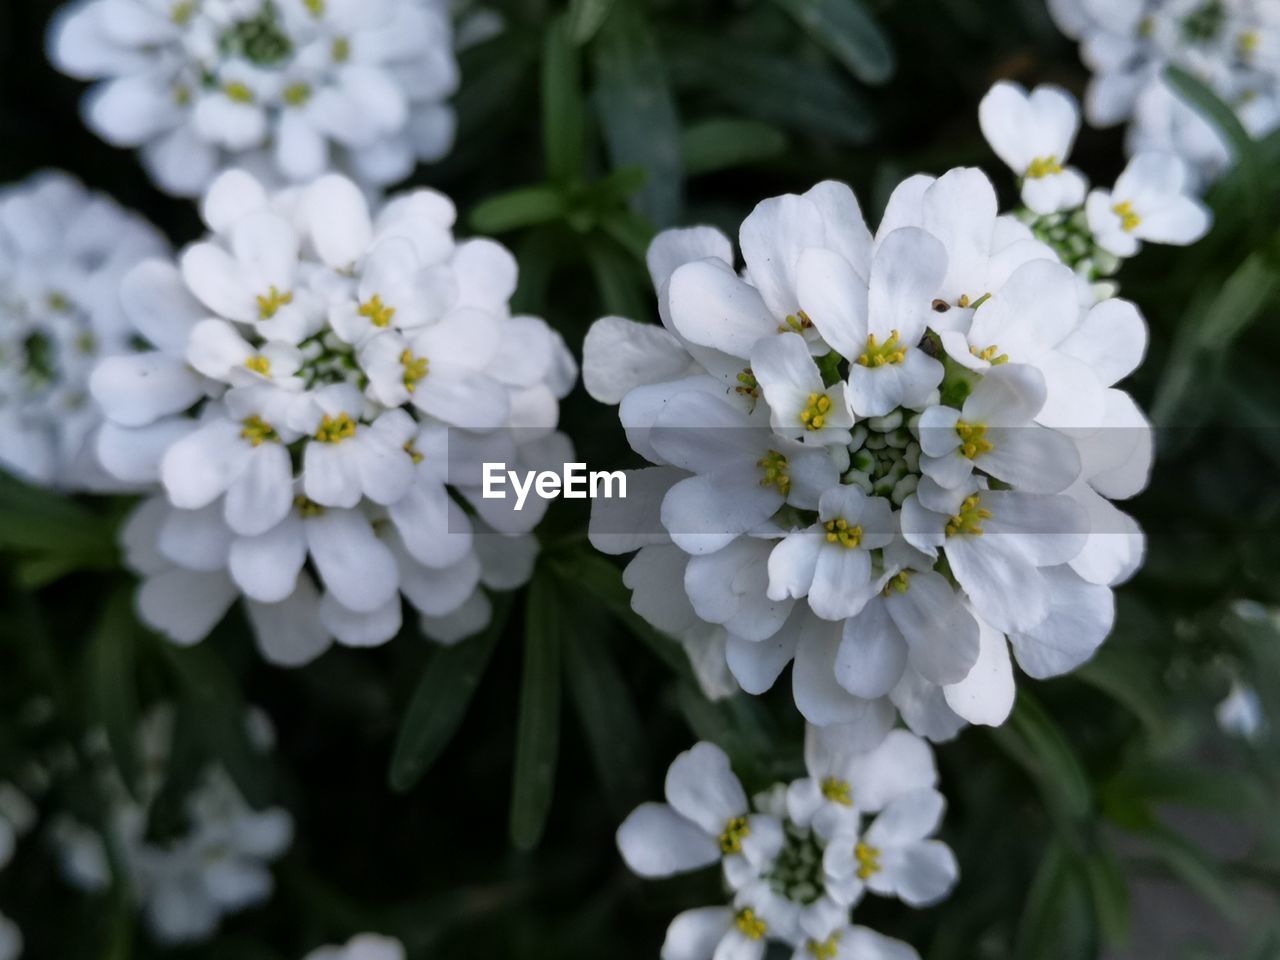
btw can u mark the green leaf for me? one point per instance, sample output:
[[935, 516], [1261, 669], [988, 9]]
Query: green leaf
[[586, 17], [848, 32], [1128, 678], [112, 681], [538, 726], [1195, 868], [1055, 908], [637, 111], [1034, 741], [622, 289], [62, 533], [610, 721], [563, 107], [525, 207], [1109, 893], [441, 699], [723, 144]]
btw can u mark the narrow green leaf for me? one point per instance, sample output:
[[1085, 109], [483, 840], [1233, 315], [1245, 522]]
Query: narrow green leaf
[[610, 721], [112, 681], [848, 32], [441, 699], [622, 289], [1195, 868], [538, 726], [1109, 893], [631, 230], [586, 17], [637, 111], [723, 144], [1036, 743], [563, 106], [525, 207], [1047, 901], [40, 521]]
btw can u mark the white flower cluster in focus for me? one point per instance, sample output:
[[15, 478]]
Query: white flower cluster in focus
[[1232, 45], [366, 946], [17, 816], [295, 88], [799, 857], [215, 866], [886, 458], [1033, 133], [63, 251], [321, 383]]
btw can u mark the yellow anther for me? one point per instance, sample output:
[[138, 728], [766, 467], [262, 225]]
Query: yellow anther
[[181, 94], [415, 368], [257, 431], [775, 470], [735, 831], [827, 949], [751, 926], [748, 385], [238, 92], [973, 439], [839, 531], [296, 94], [900, 582], [969, 519], [182, 12], [336, 429], [376, 311], [990, 354], [1129, 220], [868, 860], [87, 343], [1249, 42], [341, 50], [878, 354], [796, 323], [58, 302], [314, 7], [963, 301], [1043, 167], [837, 791], [272, 302], [259, 364], [414, 453], [307, 507], [814, 415]]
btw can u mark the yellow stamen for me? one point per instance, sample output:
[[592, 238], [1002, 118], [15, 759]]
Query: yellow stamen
[[735, 831], [748, 386], [969, 519], [751, 926], [814, 415], [828, 949], [963, 302], [839, 531], [272, 302], [774, 466], [837, 791], [415, 368], [1043, 167], [878, 354], [59, 302], [341, 50], [1250, 40], [307, 507], [1129, 220], [181, 94], [238, 92], [314, 7], [182, 12], [296, 94], [259, 364], [900, 582], [336, 429], [796, 323], [990, 354], [973, 439], [868, 860], [257, 431], [376, 311], [414, 453]]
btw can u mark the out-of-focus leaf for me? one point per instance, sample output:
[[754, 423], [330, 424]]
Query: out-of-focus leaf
[[538, 726], [1034, 740], [1109, 893], [722, 144], [1127, 678], [519, 208], [42, 522], [1056, 907], [1186, 785], [848, 32], [586, 17], [112, 681], [1195, 868], [631, 230], [796, 94], [621, 287], [441, 699], [563, 109], [637, 112], [609, 718]]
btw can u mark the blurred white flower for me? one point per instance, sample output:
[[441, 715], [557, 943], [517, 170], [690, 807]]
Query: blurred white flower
[[322, 389], [63, 251], [1034, 133], [1151, 201], [292, 87], [365, 946], [10, 939], [1240, 712]]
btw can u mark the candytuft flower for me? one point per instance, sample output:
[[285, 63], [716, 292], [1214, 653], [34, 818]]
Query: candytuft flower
[[1034, 133], [365, 946]]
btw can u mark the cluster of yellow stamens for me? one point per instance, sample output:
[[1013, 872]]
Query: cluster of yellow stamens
[[257, 431], [1249, 42], [969, 519], [814, 415], [868, 860], [1043, 167], [837, 791], [748, 385], [314, 7], [238, 92], [415, 369], [839, 531], [774, 466], [307, 507], [900, 582], [878, 354], [414, 453], [990, 354], [296, 94], [182, 12], [796, 323], [751, 926], [735, 831], [336, 429], [377, 313], [827, 949], [272, 302], [1129, 219], [341, 50], [258, 364], [973, 439]]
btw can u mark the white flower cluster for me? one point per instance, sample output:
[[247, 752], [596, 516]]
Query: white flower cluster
[[800, 856], [17, 816], [883, 457], [1033, 133], [295, 88], [320, 384], [366, 946], [217, 866], [1232, 45], [63, 251]]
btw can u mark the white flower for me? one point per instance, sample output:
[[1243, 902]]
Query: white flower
[[1033, 133], [63, 251], [855, 943], [1149, 202], [365, 946], [292, 87], [1240, 712], [325, 386]]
